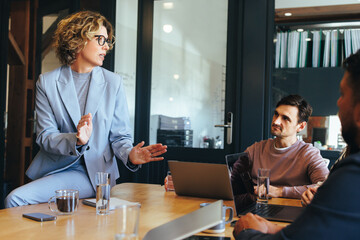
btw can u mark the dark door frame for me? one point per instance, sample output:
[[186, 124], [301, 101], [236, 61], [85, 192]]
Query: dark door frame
[[4, 39]]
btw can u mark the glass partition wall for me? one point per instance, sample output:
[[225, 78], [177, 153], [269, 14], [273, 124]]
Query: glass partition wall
[[188, 73]]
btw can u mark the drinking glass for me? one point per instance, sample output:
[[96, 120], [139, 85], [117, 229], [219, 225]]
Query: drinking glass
[[102, 181], [263, 184], [127, 222], [66, 201], [169, 184]]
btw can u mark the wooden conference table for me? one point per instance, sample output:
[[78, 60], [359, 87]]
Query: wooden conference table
[[157, 207]]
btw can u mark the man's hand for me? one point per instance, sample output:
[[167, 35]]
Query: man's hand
[[141, 155], [251, 221], [84, 129], [273, 191], [308, 196]]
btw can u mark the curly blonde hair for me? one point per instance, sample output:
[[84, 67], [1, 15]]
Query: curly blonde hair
[[74, 31]]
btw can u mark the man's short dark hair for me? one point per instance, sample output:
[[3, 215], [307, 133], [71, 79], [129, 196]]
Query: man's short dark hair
[[352, 65], [303, 106]]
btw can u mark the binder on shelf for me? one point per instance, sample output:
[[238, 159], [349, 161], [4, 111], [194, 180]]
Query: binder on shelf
[[347, 42], [341, 47], [283, 49], [303, 49], [355, 40], [334, 49], [293, 49], [277, 50], [316, 48], [326, 58]]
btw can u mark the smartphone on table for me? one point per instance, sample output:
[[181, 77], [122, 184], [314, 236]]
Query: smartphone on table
[[40, 217]]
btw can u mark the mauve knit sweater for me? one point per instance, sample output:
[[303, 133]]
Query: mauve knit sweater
[[295, 168]]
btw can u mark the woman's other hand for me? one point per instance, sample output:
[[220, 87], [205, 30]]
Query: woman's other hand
[[84, 129]]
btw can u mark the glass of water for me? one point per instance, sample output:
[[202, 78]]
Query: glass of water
[[263, 183], [127, 222], [102, 181]]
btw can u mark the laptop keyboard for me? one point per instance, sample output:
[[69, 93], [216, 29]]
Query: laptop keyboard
[[266, 210]]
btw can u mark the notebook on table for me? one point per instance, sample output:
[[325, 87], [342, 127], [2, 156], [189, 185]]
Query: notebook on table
[[205, 180], [189, 224], [244, 197], [113, 202]]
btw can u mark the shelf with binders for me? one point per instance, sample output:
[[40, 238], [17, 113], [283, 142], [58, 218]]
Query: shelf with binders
[[316, 45]]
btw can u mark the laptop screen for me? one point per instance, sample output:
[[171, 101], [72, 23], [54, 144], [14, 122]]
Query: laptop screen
[[206, 180], [242, 185]]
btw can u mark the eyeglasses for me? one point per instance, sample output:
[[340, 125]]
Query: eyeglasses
[[102, 39]]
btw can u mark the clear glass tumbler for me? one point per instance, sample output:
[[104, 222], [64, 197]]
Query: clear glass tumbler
[[263, 184], [102, 181]]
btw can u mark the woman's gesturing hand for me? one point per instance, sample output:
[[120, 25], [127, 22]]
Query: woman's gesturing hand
[[141, 155]]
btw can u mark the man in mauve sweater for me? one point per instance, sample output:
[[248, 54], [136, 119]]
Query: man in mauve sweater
[[334, 213], [294, 165]]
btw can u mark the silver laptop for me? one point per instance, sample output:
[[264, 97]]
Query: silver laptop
[[245, 198], [206, 180], [189, 224]]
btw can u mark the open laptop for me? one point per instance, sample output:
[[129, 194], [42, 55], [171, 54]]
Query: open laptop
[[245, 198], [189, 224], [205, 180]]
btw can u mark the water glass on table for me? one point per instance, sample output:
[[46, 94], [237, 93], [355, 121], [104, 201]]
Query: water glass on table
[[263, 184], [102, 181], [127, 222], [168, 183]]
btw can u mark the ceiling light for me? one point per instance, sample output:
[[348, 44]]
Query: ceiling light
[[171, 99], [176, 76], [168, 5], [167, 28], [300, 30], [308, 39], [288, 14]]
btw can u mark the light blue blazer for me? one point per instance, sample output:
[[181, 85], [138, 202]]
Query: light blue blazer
[[58, 113]]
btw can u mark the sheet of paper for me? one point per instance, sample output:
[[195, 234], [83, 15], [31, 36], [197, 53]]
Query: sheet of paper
[[113, 202]]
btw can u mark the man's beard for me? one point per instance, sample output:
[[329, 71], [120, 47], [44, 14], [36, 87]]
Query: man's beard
[[349, 135]]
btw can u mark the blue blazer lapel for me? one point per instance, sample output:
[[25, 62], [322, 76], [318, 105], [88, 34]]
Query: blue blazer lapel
[[96, 91], [68, 94]]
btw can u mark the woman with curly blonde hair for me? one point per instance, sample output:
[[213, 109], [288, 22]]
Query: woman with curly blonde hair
[[82, 117], [73, 33]]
